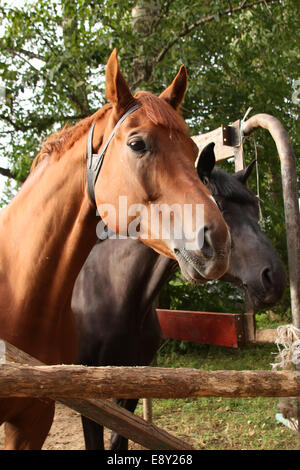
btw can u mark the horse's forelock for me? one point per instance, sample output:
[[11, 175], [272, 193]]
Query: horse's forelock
[[160, 112]]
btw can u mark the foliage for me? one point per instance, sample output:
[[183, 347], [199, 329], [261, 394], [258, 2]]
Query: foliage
[[180, 294], [238, 54]]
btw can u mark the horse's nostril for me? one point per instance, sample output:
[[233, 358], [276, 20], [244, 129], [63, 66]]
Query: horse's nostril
[[266, 277], [207, 249]]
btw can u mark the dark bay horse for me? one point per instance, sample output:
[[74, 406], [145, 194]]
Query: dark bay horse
[[114, 292], [49, 228]]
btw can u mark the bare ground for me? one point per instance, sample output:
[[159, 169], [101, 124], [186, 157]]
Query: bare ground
[[66, 432]]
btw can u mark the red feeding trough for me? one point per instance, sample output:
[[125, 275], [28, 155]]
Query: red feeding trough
[[222, 329]]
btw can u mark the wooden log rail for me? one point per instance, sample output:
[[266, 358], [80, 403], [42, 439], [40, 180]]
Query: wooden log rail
[[105, 412], [129, 382]]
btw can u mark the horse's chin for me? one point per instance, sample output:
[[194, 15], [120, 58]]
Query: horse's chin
[[255, 299], [189, 271], [256, 302]]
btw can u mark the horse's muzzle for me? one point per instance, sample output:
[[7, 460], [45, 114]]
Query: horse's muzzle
[[210, 260]]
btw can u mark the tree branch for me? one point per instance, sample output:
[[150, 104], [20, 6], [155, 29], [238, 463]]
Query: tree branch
[[44, 122], [6, 172], [12, 123], [188, 29], [31, 55]]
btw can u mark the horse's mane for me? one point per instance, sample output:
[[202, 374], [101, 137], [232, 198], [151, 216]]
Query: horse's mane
[[59, 142], [157, 110], [231, 188]]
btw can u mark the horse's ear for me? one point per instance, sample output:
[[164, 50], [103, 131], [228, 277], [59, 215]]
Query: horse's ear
[[117, 90], [244, 174], [206, 162], [174, 94]]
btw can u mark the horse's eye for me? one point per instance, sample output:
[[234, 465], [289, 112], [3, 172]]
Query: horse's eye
[[205, 180], [138, 146]]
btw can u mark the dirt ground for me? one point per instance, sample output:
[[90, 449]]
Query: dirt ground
[[66, 432]]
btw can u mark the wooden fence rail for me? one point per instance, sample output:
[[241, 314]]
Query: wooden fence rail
[[130, 382], [105, 412]]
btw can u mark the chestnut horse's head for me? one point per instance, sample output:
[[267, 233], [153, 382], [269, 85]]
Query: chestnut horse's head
[[148, 187]]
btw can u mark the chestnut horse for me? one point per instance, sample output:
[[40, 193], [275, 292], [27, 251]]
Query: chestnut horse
[[116, 323], [49, 228]]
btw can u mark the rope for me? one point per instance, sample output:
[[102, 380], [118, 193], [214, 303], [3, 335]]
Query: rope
[[246, 114], [261, 219], [242, 127], [288, 344]]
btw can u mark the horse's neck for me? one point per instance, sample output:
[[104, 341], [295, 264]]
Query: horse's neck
[[46, 234], [161, 272]]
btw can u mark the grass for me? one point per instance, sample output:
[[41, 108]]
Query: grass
[[222, 423]]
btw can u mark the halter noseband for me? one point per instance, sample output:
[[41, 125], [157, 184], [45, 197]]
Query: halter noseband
[[95, 160]]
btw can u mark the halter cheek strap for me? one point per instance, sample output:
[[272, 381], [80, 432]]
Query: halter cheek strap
[[95, 160]]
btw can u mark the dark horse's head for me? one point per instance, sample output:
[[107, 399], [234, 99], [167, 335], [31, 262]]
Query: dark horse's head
[[254, 263]]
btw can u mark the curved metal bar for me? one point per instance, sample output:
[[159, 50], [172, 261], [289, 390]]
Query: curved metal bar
[[290, 197]]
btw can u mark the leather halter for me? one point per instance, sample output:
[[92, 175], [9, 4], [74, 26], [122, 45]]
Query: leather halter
[[95, 160]]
